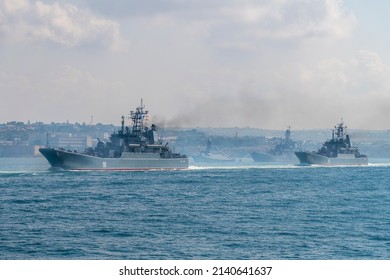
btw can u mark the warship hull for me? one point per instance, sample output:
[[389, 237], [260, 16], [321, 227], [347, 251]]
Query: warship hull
[[68, 160], [211, 159], [262, 157], [342, 159]]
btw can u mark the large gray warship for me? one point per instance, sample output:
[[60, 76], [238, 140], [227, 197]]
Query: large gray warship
[[336, 151], [138, 148]]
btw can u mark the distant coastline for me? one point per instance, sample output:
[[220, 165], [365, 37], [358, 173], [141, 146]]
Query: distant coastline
[[19, 139]]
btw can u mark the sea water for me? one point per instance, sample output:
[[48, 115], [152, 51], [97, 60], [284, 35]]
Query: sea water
[[234, 212]]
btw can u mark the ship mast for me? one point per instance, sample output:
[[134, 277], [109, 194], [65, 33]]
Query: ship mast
[[340, 130], [288, 133], [137, 117]]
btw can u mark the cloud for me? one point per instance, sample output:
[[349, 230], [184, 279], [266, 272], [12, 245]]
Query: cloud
[[269, 19], [63, 93], [62, 24], [299, 94], [265, 64], [294, 21]]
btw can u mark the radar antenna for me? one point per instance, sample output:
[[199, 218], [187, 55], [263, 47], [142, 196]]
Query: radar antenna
[[138, 117]]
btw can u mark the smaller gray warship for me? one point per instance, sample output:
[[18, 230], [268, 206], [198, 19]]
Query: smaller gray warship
[[282, 152], [336, 151], [211, 155], [129, 149]]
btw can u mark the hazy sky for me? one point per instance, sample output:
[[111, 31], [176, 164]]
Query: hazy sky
[[220, 63]]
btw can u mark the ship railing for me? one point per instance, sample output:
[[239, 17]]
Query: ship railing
[[154, 146], [134, 145]]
